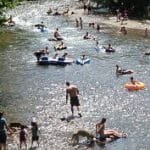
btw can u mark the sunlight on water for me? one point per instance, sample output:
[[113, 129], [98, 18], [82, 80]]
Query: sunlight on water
[[28, 89]]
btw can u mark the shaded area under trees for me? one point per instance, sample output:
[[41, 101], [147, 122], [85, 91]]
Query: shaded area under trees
[[136, 8]]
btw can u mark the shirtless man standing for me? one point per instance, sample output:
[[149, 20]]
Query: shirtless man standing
[[73, 92]]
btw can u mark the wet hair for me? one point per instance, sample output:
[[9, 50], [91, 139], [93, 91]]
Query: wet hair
[[67, 83], [1, 114], [103, 120], [131, 78]]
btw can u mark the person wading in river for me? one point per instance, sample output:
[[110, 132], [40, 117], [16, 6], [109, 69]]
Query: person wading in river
[[3, 134], [73, 92], [103, 133]]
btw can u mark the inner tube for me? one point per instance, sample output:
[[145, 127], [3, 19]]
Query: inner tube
[[88, 37], [43, 30], [122, 72], [57, 47], [109, 50], [82, 62], [55, 39], [134, 87], [147, 53]]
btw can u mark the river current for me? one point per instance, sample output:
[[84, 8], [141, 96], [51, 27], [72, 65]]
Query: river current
[[27, 89]]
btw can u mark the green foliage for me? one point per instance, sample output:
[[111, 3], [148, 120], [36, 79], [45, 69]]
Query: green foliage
[[6, 4], [2, 20], [135, 7]]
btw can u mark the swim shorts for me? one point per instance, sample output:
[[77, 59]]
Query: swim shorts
[[74, 101], [3, 137]]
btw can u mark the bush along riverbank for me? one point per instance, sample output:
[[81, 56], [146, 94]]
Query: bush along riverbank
[[3, 8]]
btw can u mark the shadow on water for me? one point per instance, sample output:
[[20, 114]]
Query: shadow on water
[[33, 148]]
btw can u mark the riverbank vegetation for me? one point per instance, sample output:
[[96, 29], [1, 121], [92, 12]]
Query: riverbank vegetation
[[135, 8], [4, 4]]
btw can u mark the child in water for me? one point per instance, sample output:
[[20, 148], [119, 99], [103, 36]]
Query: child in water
[[35, 133], [22, 137]]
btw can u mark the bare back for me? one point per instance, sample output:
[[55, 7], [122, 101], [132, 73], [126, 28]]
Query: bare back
[[72, 90]]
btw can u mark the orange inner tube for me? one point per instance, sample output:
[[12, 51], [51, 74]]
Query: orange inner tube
[[136, 86]]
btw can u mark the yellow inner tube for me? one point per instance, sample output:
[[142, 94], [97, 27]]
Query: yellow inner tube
[[136, 86], [58, 46]]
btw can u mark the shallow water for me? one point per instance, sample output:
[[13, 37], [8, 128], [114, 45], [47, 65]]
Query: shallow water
[[28, 89]]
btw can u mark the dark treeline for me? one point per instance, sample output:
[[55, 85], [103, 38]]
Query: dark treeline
[[136, 8]]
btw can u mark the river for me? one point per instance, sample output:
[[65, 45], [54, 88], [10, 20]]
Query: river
[[28, 89]]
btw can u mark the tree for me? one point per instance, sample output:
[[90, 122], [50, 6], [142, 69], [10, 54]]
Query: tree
[[135, 7]]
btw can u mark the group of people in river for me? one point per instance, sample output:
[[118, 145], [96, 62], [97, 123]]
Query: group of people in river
[[40, 53], [102, 134], [55, 12], [43, 52], [72, 91], [20, 131]]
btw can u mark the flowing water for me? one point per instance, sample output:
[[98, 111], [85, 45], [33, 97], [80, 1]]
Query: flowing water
[[28, 89]]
